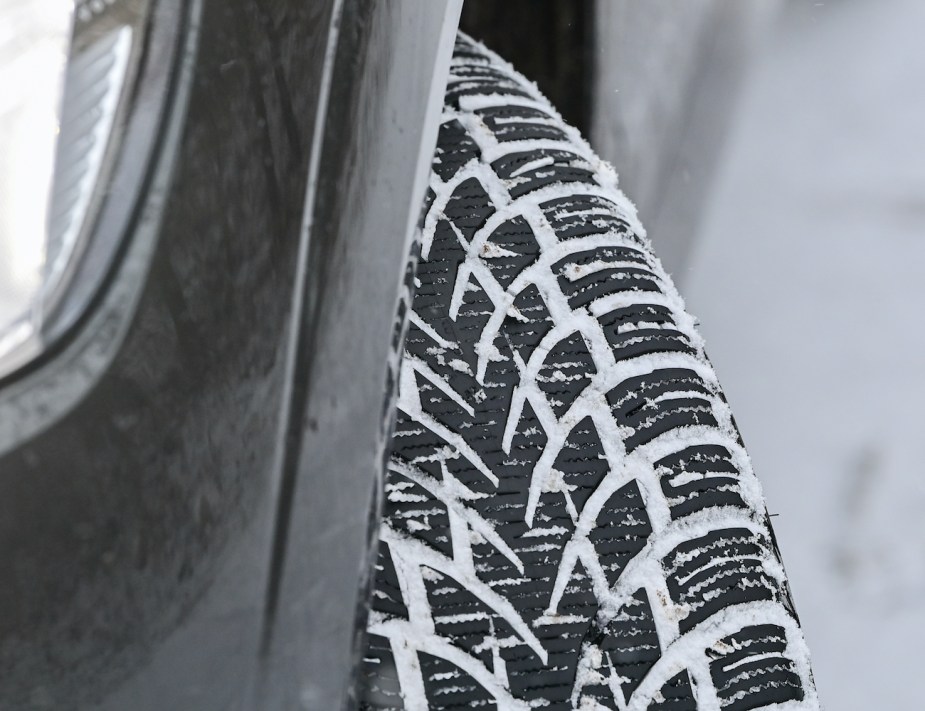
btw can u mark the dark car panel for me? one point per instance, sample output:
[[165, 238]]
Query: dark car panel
[[140, 474]]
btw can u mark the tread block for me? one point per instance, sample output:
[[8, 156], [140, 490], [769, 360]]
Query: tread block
[[381, 690], [530, 322], [468, 208], [566, 372], [436, 278], [429, 198], [527, 445], [622, 530], [510, 249], [719, 569], [521, 123], [478, 78], [455, 148], [584, 216], [587, 276], [387, 597], [465, 50], [676, 694], [641, 329], [526, 171], [751, 670], [449, 687], [663, 400], [582, 463], [699, 477], [474, 313]]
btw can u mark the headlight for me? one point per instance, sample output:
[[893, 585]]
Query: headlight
[[63, 72]]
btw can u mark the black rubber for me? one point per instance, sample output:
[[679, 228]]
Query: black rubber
[[571, 521]]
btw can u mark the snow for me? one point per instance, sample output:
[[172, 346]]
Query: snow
[[809, 280]]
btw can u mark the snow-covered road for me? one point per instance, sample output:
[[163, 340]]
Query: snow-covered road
[[809, 280]]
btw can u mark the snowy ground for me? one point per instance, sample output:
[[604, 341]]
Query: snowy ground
[[809, 280]]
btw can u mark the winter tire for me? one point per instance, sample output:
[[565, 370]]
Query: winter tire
[[570, 518]]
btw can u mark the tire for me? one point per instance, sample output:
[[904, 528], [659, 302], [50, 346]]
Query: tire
[[570, 518]]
